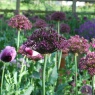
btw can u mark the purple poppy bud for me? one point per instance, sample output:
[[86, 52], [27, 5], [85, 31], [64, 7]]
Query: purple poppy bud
[[8, 54], [31, 54]]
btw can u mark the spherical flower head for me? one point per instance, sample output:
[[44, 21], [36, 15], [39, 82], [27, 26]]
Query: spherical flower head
[[86, 90], [20, 22], [31, 54], [40, 23], [46, 40], [8, 54], [64, 28], [58, 16], [87, 29], [78, 44], [85, 18], [82, 64], [88, 63], [34, 18]]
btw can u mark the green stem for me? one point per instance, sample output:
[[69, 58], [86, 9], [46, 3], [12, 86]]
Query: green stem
[[18, 39], [2, 78], [44, 70], [92, 85], [59, 61], [76, 73], [22, 67], [58, 28], [57, 55]]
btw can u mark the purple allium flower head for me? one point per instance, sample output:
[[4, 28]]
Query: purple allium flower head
[[64, 28], [46, 41], [58, 16], [20, 22], [78, 44], [88, 63], [85, 18], [82, 64], [40, 23], [31, 54], [34, 18], [87, 29], [8, 54], [86, 90]]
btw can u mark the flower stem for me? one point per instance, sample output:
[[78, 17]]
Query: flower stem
[[22, 67], [92, 85], [58, 27], [76, 90], [2, 78], [59, 61], [43, 80], [18, 39]]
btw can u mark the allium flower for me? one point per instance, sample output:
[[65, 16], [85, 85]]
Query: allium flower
[[58, 16], [8, 54], [34, 18], [82, 64], [20, 22], [88, 63], [45, 41], [64, 28], [78, 44], [85, 18], [31, 54], [86, 90], [87, 29], [40, 23]]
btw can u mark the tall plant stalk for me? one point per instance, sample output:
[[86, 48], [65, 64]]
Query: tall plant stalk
[[2, 78], [93, 85], [76, 89], [44, 71], [18, 39], [59, 52]]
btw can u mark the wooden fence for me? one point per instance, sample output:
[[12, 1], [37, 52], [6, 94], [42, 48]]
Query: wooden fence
[[39, 11]]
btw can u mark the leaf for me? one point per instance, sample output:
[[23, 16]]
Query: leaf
[[36, 75], [29, 90], [60, 89], [54, 75]]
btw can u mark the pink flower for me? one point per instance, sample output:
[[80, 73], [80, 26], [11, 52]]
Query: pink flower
[[8, 54], [31, 54], [20, 22], [40, 23], [78, 44]]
